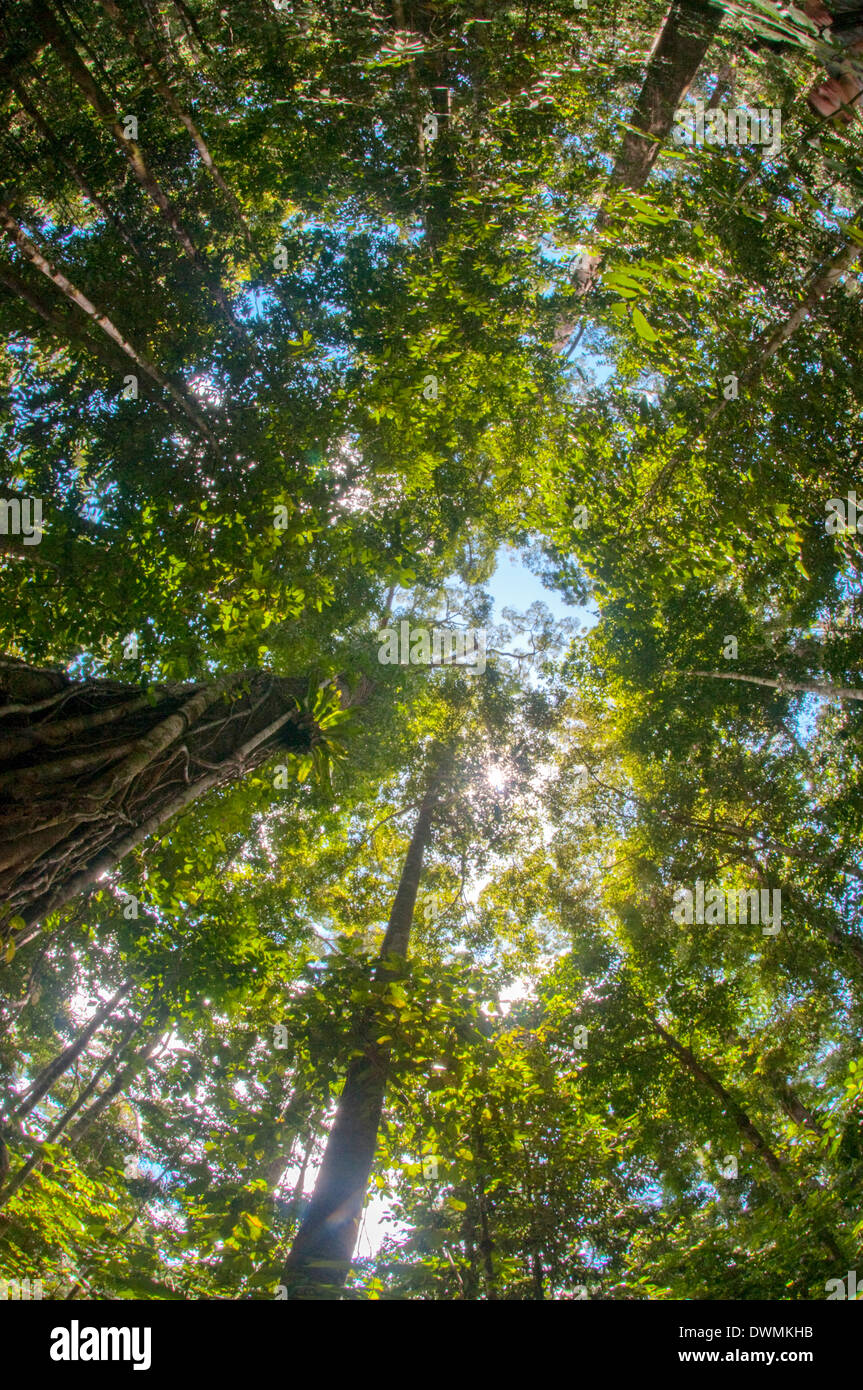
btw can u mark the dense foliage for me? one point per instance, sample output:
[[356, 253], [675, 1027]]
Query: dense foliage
[[308, 310]]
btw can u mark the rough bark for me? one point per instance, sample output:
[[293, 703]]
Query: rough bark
[[678, 52], [89, 768]]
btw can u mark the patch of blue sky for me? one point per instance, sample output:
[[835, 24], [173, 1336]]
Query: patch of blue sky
[[513, 585], [96, 500], [256, 302], [806, 718], [550, 251]]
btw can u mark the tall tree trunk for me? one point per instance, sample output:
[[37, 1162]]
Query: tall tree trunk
[[794, 1107], [60, 1126], [30, 250], [89, 768], [747, 1128], [161, 83], [138, 1063], [61, 1063], [61, 158], [537, 1275], [687, 32], [486, 1245], [109, 1063], [320, 1257], [84, 80], [300, 1184], [64, 328], [741, 835], [830, 692], [821, 282]]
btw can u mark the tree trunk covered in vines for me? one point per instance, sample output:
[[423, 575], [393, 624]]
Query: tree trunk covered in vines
[[88, 769]]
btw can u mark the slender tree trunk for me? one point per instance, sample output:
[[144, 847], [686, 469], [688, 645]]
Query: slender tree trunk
[[61, 1063], [63, 328], [536, 1272], [320, 1257], [299, 1185], [65, 1119], [30, 250], [132, 151], [486, 1246], [161, 83], [830, 692], [121, 1080], [138, 1063], [794, 1107], [470, 1279], [63, 161], [109, 1063], [821, 282], [747, 1128]]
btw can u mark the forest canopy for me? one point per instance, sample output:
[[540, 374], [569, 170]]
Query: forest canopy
[[366, 932]]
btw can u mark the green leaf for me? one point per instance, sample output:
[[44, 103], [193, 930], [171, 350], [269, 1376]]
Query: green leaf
[[643, 328]]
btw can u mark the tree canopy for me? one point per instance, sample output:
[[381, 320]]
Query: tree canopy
[[363, 936]]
